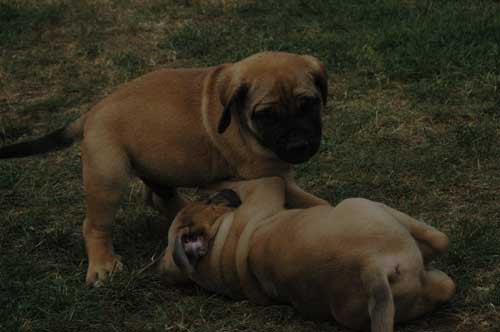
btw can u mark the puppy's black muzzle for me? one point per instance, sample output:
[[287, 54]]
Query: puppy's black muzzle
[[297, 149]]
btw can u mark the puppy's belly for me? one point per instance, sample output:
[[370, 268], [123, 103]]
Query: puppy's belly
[[177, 175], [180, 169], [317, 292]]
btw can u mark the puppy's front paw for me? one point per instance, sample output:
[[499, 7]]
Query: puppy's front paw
[[99, 272]]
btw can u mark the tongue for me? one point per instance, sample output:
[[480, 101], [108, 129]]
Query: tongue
[[195, 246]]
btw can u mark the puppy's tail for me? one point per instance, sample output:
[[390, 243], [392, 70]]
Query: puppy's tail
[[56, 140], [380, 303]]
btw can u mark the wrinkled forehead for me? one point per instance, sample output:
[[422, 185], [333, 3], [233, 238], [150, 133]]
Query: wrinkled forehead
[[273, 78], [276, 89], [273, 61]]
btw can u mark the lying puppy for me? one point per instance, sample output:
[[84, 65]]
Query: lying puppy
[[174, 128], [361, 262]]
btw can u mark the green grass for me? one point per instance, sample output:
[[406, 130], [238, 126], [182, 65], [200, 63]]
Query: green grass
[[413, 121]]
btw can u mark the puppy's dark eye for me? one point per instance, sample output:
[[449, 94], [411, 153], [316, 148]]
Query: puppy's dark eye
[[266, 116]]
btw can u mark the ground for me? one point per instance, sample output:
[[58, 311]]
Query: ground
[[413, 121]]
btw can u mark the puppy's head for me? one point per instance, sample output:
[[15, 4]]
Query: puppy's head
[[278, 99], [194, 228]]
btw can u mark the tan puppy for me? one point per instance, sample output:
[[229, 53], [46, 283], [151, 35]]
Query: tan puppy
[[362, 263], [172, 128]]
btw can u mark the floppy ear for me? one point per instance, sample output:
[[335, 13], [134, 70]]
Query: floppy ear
[[321, 82], [180, 257], [236, 101], [320, 77], [227, 197]]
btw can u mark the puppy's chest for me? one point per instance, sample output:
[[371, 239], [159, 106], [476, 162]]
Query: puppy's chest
[[258, 168]]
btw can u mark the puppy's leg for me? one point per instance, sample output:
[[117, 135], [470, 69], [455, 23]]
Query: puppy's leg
[[168, 201], [298, 198], [282, 188], [380, 302], [105, 177], [439, 287], [430, 241]]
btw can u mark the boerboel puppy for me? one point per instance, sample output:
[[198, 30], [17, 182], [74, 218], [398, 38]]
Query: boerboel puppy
[[362, 263], [191, 127]]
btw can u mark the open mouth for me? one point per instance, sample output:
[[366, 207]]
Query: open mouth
[[194, 244]]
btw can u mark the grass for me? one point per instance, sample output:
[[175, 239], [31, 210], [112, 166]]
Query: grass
[[413, 121]]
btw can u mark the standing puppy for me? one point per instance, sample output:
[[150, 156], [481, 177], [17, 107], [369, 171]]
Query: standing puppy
[[362, 263], [191, 127]]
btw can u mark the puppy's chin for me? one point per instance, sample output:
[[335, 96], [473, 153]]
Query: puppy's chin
[[296, 151], [297, 155]]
